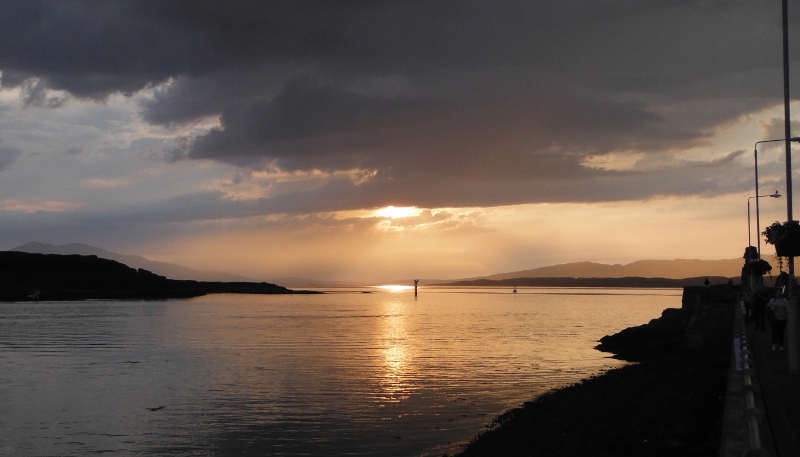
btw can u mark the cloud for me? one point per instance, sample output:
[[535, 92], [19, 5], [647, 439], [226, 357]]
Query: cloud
[[473, 152], [339, 193], [89, 49], [37, 206], [473, 103], [8, 155], [774, 129], [93, 49], [287, 125], [34, 93]]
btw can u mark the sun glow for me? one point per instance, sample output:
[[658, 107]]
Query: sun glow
[[398, 212], [394, 287]]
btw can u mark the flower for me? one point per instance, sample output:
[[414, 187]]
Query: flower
[[756, 267], [779, 232]]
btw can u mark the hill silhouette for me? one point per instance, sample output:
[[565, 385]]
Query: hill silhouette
[[633, 281], [673, 269], [26, 276], [169, 270]]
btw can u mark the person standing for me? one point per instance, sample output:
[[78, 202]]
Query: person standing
[[780, 312]]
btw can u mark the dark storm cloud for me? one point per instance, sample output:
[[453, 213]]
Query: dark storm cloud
[[472, 102], [92, 48], [309, 126], [288, 124]]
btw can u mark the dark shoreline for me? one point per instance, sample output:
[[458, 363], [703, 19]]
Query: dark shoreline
[[668, 403]]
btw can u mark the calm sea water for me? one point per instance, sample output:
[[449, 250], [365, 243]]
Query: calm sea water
[[346, 373]]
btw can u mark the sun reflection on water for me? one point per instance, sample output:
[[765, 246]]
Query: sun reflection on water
[[394, 287], [395, 357], [397, 371]]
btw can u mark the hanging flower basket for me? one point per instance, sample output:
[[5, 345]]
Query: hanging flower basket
[[788, 248], [785, 236], [757, 267]]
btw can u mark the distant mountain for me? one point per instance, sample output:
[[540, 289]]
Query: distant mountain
[[673, 269], [168, 270], [635, 281]]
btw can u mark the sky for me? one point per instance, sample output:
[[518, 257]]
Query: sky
[[370, 141]]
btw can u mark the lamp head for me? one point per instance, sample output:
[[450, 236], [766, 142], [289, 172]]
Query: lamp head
[[775, 195]]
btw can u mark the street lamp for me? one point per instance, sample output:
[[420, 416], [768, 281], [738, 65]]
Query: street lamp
[[758, 220], [791, 331], [755, 156]]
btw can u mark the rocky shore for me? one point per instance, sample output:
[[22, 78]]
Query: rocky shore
[[668, 403]]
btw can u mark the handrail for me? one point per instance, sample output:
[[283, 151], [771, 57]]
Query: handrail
[[752, 414]]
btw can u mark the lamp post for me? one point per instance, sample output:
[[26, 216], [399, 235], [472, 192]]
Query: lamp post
[[776, 194], [755, 157], [794, 366], [791, 330]]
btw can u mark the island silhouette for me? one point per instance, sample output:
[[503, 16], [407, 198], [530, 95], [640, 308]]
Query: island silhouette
[[26, 276]]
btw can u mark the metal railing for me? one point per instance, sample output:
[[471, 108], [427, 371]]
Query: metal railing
[[753, 416]]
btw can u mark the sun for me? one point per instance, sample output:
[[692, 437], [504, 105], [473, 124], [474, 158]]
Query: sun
[[398, 212]]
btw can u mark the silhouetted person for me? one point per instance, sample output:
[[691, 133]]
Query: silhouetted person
[[759, 311], [706, 282], [780, 311]]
